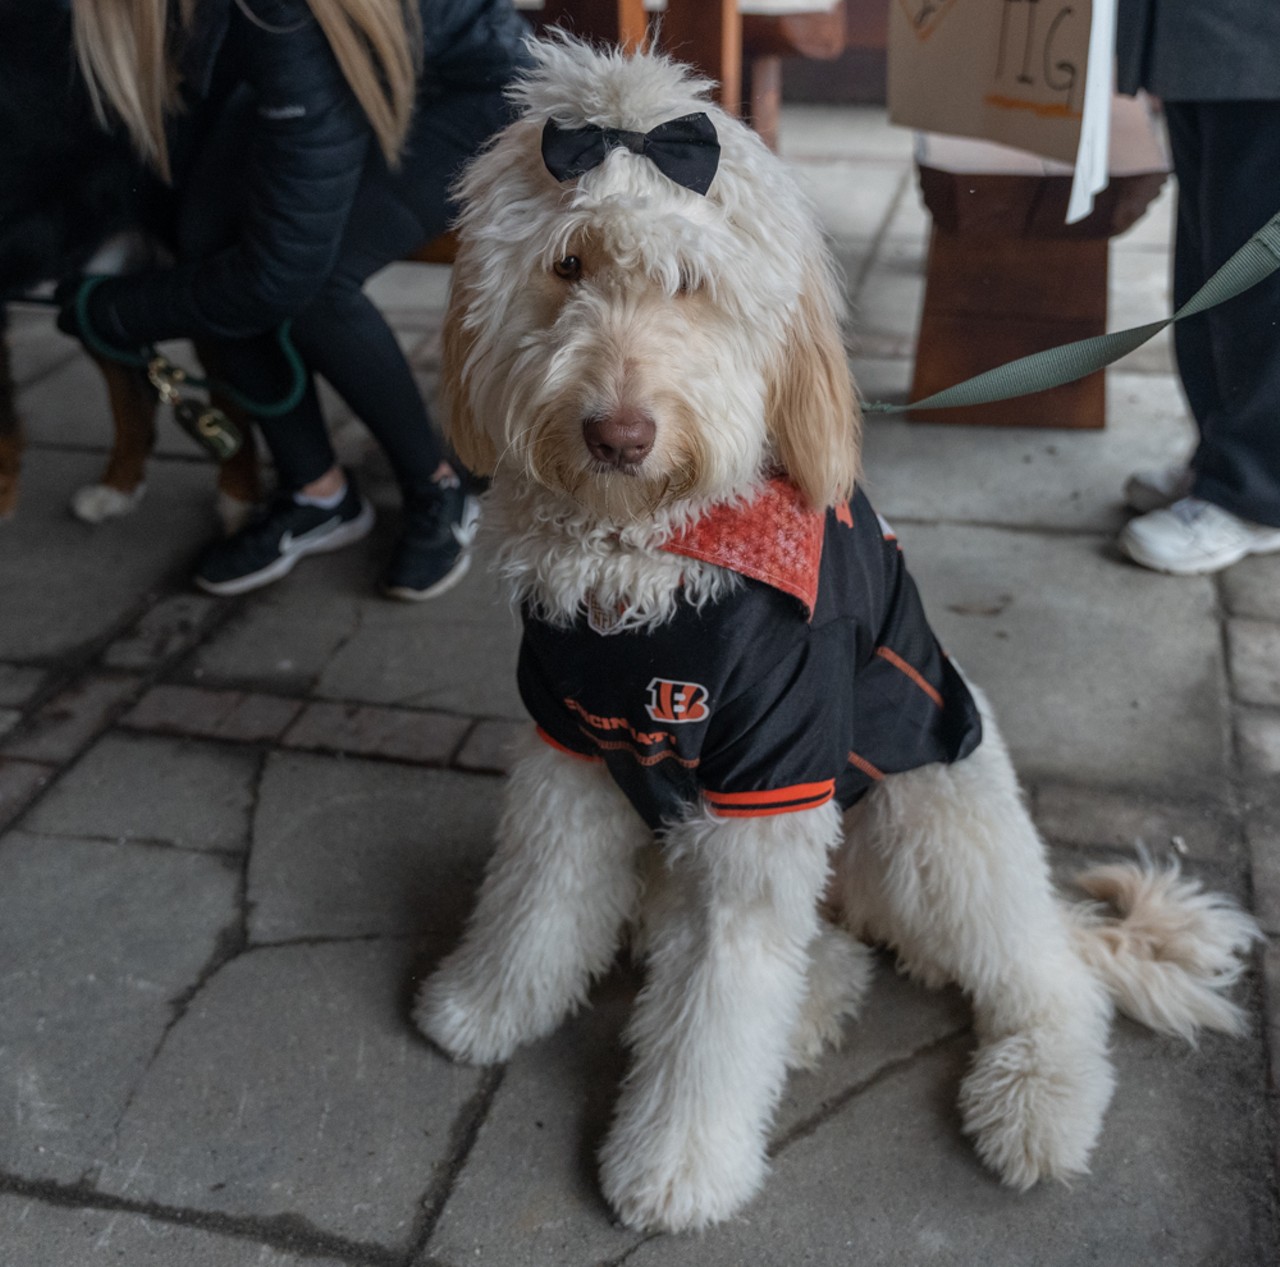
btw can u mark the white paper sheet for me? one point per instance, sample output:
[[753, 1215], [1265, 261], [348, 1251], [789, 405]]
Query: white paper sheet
[[1094, 151]]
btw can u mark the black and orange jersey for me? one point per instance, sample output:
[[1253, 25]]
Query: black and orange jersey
[[813, 679]]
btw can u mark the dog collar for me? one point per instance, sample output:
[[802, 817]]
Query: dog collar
[[774, 538]]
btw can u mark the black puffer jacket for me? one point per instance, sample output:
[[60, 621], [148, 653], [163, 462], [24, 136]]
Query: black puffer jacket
[[303, 166]]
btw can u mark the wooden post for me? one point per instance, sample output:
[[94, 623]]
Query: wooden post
[[708, 33]]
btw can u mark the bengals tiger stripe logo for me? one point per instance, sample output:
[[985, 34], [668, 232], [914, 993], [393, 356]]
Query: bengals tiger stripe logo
[[676, 702]]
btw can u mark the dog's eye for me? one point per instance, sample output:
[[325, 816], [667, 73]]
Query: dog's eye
[[569, 268], [686, 285]]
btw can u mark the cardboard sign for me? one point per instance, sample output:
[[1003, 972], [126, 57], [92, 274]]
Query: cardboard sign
[[1011, 71]]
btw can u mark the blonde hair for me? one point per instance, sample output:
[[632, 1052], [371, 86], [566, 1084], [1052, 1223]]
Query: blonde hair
[[126, 49]]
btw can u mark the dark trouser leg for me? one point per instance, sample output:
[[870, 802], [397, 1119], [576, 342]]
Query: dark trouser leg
[[1227, 160]]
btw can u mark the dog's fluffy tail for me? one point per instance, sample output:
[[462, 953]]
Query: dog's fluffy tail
[[1169, 956]]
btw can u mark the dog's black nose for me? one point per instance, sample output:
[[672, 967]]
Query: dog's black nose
[[622, 438]]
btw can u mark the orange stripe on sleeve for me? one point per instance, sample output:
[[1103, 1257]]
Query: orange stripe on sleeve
[[559, 747], [913, 673], [865, 766]]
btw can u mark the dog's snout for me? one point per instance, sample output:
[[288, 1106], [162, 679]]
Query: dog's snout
[[623, 438]]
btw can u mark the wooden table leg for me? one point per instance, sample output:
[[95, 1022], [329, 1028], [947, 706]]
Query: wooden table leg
[[990, 300], [613, 21], [708, 33]]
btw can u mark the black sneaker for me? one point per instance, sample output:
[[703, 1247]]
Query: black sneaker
[[434, 551], [277, 537]]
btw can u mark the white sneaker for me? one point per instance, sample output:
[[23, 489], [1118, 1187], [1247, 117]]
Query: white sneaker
[[1154, 490], [1192, 536]]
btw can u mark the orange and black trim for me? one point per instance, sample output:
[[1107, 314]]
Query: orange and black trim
[[782, 800], [559, 747]]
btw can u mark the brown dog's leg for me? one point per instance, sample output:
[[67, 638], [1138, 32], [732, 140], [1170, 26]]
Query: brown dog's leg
[[11, 439], [133, 411]]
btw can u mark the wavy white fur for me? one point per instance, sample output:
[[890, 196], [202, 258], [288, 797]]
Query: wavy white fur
[[718, 318]]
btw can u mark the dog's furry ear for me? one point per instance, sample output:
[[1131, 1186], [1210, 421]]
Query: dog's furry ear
[[811, 410], [461, 426]]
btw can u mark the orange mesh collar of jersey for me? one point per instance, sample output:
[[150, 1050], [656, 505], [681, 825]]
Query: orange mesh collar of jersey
[[775, 538]]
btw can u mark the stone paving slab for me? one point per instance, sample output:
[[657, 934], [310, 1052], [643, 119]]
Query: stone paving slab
[[1026, 615], [490, 745], [887, 295], [1258, 740], [154, 789], [101, 571], [1032, 477], [293, 1087], [354, 848], [97, 942], [403, 734], [1262, 832], [67, 722], [853, 198], [18, 683], [1252, 587], [241, 716], [20, 782], [38, 1235], [171, 627], [1095, 817], [1253, 655]]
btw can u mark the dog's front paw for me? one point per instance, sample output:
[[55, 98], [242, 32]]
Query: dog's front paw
[[466, 1021], [1033, 1102], [96, 503], [678, 1177]]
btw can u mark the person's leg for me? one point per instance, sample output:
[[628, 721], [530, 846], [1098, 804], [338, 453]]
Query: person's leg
[[1233, 376], [1227, 161], [207, 222], [344, 337], [1191, 338]]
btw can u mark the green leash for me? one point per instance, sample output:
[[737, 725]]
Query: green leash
[[205, 423], [1256, 260]]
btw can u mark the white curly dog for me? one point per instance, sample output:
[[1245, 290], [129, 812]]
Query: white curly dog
[[643, 349]]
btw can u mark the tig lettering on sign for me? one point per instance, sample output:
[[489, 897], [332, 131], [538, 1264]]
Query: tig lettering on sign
[[1031, 73]]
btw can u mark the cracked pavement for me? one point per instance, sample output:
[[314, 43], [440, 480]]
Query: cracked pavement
[[233, 835]]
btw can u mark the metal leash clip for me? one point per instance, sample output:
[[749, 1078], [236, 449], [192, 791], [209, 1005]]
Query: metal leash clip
[[206, 424]]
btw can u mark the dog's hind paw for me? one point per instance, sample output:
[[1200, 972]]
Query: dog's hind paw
[[836, 983], [1033, 1103], [96, 503]]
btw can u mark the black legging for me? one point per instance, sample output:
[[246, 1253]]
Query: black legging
[[341, 334]]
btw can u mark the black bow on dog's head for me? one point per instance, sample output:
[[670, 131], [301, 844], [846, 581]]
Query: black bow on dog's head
[[685, 150]]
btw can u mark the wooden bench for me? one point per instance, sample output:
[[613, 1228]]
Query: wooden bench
[[1007, 276]]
